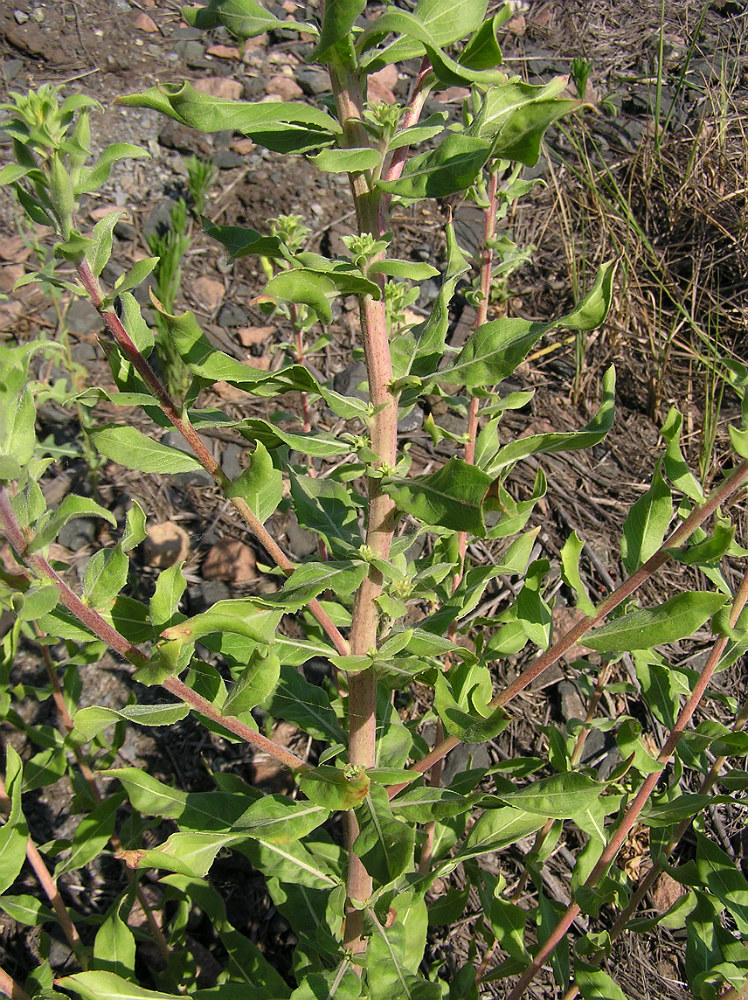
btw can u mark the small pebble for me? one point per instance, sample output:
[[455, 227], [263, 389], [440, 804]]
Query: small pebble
[[38, 15], [21, 16]]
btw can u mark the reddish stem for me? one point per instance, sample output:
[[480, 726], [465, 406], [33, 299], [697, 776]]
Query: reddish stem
[[10, 987]]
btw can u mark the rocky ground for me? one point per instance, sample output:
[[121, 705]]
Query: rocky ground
[[694, 224]]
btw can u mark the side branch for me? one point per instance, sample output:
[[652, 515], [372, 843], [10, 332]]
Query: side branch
[[181, 422], [612, 601]]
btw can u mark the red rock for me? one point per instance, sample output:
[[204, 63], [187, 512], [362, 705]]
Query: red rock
[[165, 545], [209, 292], [230, 560], [144, 22], [14, 249], [249, 335], [223, 51], [286, 88], [219, 86], [380, 86]]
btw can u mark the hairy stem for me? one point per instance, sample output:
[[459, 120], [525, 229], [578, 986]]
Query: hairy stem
[[180, 421], [362, 686], [697, 516]]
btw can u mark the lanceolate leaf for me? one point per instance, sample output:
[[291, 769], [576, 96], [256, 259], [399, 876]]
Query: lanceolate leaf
[[646, 524], [281, 127], [243, 18], [587, 437], [309, 580], [243, 617], [261, 484], [675, 619], [561, 796], [496, 829], [451, 167], [130, 448], [384, 844], [109, 986], [241, 241], [14, 832], [339, 17], [452, 497]]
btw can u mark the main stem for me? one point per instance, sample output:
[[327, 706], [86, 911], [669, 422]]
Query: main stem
[[362, 686]]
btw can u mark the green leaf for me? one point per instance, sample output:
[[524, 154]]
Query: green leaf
[[133, 450], [26, 909], [170, 586], [483, 50], [14, 833], [451, 498], [89, 722], [328, 509], [409, 269], [241, 241], [384, 843], [444, 22], [560, 796], [241, 616], [335, 788], [91, 835], [495, 830], [108, 986], [255, 683], [276, 819], [342, 161], [101, 250], [303, 287], [676, 619], [282, 127], [93, 177], [292, 863], [452, 167], [676, 467], [338, 19], [595, 984], [71, 507], [296, 700], [469, 727], [719, 874], [260, 484], [493, 352], [114, 945], [646, 524], [136, 275], [243, 18], [593, 308], [570, 553], [311, 579], [105, 576]]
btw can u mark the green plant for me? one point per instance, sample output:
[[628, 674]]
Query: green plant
[[169, 248], [201, 176], [360, 901]]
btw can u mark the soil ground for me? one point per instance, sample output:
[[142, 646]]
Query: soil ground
[[683, 270]]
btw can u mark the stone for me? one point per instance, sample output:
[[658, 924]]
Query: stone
[[30, 38], [464, 756], [381, 85], [411, 422], [11, 69], [193, 52], [144, 22], [77, 533], [206, 595], [165, 544], [286, 88], [197, 477], [249, 335], [301, 542], [232, 315], [21, 16], [231, 460], [159, 218], [230, 560], [348, 382], [174, 135], [242, 146], [219, 86], [312, 81], [208, 292], [223, 52], [226, 159], [82, 318], [96, 214]]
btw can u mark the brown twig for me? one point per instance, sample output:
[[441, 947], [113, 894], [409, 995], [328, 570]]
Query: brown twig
[[10, 987]]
